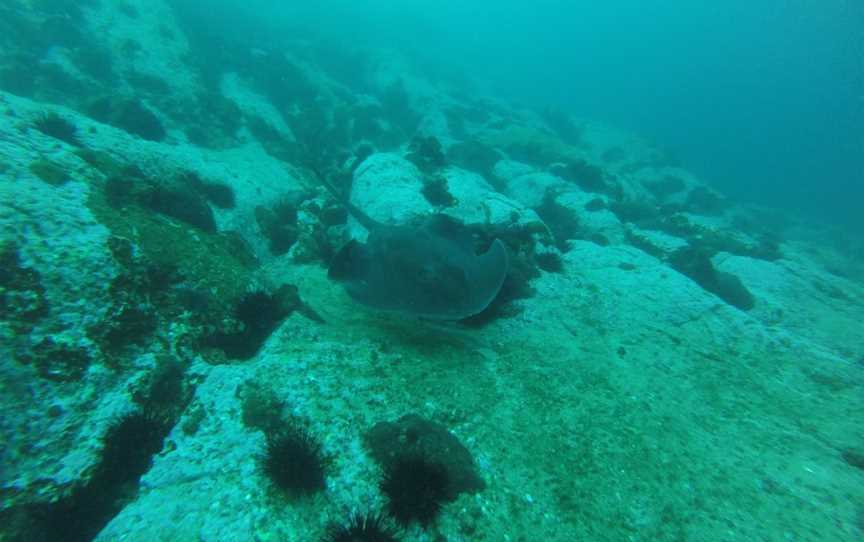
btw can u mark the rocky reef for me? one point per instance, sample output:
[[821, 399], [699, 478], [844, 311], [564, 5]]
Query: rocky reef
[[662, 363]]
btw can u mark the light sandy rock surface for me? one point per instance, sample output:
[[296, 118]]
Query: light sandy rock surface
[[617, 399]]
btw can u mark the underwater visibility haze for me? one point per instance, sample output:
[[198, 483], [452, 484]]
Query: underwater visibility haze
[[765, 100], [407, 271]]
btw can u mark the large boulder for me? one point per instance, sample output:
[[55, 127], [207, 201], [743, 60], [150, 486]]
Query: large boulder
[[390, 189]]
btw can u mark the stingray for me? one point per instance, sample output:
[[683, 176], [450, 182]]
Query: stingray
[[427, 269]]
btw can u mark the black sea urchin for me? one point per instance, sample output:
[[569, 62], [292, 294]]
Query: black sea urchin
[[416, 488], [294, 462], [361, 528], [129, 446]]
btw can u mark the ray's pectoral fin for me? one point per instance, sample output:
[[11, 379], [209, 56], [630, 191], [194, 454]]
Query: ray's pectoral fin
[[487, 276]]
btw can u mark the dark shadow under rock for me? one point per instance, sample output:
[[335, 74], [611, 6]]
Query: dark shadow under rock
[[587, 176], [257, 315], [180, 204], [474, 156], [697, 265], [129, 115], [563, 222]]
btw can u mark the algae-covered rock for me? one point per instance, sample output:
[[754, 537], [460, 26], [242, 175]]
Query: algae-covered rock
[[61, 362], [412, 435], [22, 295]]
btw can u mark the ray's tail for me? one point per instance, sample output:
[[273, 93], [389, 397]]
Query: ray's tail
[[365, 220]]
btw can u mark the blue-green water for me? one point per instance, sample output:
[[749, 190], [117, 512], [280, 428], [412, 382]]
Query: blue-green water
[[764, 100]]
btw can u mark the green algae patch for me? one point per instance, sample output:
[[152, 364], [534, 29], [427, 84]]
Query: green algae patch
[[22, 296], [216, 263], [261, 406], [57, 361], [49, 172], [531, 145]]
